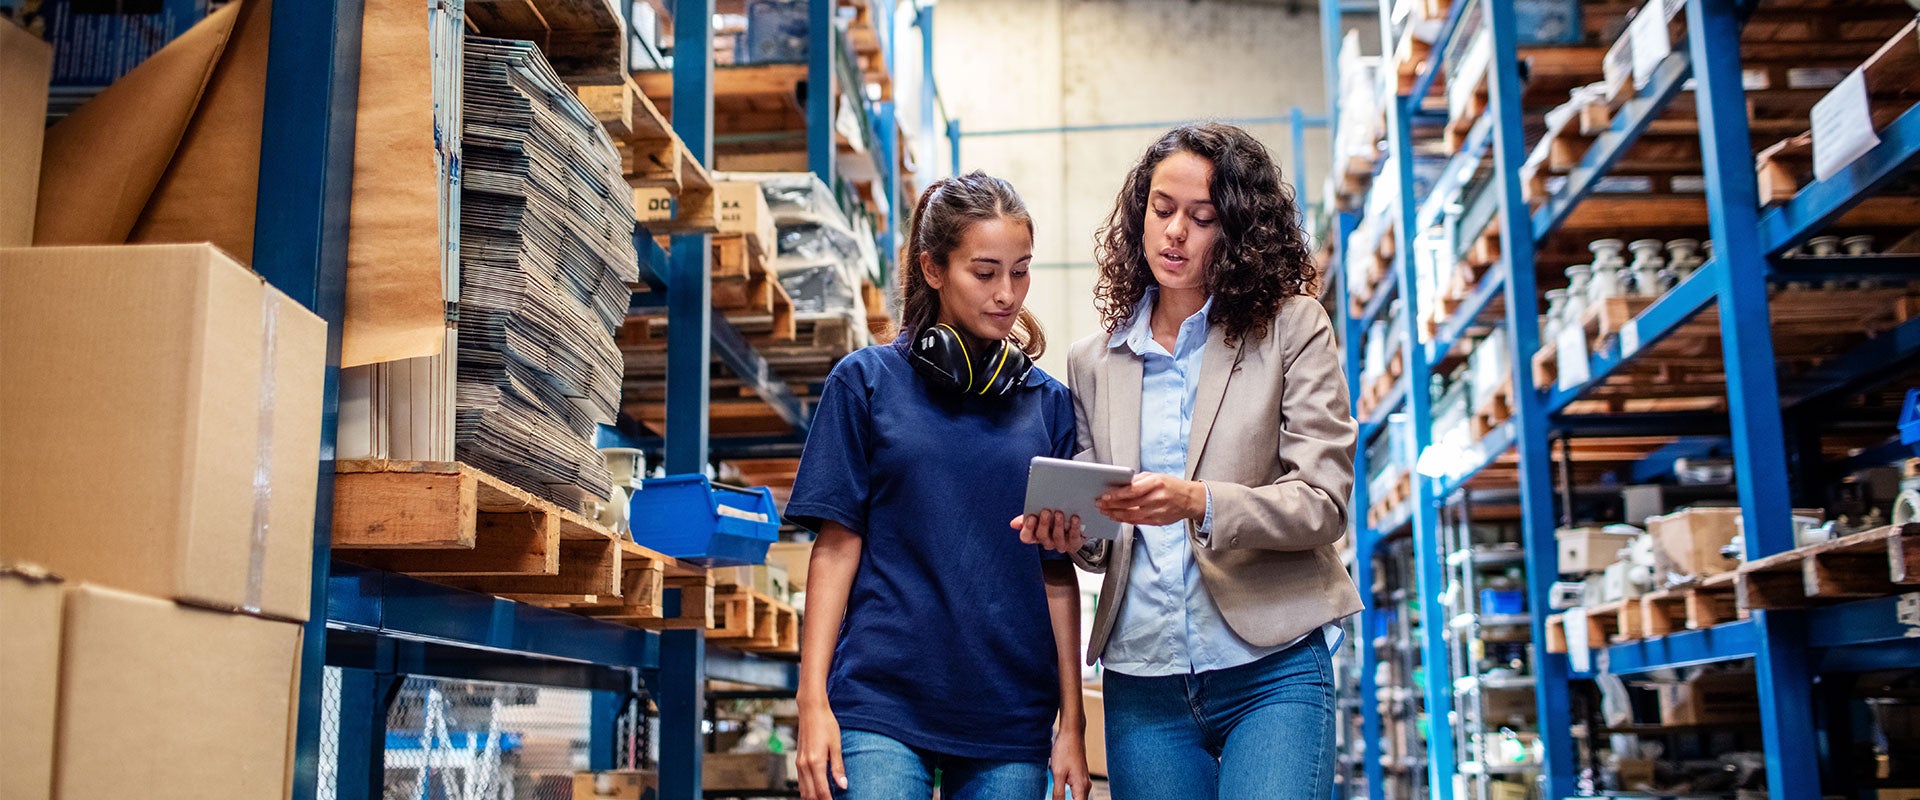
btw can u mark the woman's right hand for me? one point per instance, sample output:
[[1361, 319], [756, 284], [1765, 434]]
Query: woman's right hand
[[818, 757]]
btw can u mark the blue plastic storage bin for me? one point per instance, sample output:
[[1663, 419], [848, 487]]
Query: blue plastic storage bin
[[689, 518], [1496, 602]]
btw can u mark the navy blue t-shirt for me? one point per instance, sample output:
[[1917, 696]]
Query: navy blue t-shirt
[[947, 645]]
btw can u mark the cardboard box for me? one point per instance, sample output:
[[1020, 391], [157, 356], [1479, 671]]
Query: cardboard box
[[743, 771], [207, 695], [765, 579], [743, 209], [1096, 706], [144, 387], [1711, 698], [26, 65], [623, 784], [1588, 550], [1688, 541], [794, 558]]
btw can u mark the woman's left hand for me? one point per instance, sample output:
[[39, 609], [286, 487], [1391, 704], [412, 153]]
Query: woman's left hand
[[1155, 499], [1069, 765]]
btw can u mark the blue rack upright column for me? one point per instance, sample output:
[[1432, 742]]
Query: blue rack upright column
[[682, 699], [1538, 523], [300, 246], [822, 145], [1760, 460], [1429, 575]]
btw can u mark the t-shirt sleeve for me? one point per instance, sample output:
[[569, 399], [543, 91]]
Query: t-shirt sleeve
[[832, 482], [1065, 437]]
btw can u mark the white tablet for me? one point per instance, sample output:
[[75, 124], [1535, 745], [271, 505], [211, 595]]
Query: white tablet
[[1072, 486]]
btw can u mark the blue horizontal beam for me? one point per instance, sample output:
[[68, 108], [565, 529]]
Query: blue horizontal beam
[[387, 604], [1884, 454], [734, 666], [1877, 657], [1370, 428], [1496, 444], [1612, 144], [1734, 640], [1655, 323], [1449, 333], [1864, 622], [1821, 202], [1659, 464], [738, 354], [1462, 166], [1866, 365], [1424, 83]]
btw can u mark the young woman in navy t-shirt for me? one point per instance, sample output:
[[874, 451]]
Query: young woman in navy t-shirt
[[934, 640]]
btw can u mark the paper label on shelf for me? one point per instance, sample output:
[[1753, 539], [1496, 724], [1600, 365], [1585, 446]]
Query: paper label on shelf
[[1842, 126], [1630, 339], [1579, 658], [1571, 357], [1907, 611], [1651, 43]]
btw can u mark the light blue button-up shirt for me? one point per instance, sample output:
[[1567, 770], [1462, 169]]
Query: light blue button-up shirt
[[1169, 624]]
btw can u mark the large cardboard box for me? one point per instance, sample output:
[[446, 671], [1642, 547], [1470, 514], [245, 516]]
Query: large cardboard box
[[1588, 550], [743, 771], [622, 784], [1688, 541], [743, 209], [1715, 697], [26, 65], [161, 412], [152, 698], [1095, 700], [794, 558]]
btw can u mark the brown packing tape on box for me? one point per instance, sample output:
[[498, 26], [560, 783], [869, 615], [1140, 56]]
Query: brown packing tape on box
[[209, 696], [171, 153], [26, 65], [210, 424]]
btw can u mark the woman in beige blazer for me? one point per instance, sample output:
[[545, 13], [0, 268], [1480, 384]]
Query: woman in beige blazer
[[1218, 379]]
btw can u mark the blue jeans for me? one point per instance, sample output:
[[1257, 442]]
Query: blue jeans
[[1261, 730], [881, 768]]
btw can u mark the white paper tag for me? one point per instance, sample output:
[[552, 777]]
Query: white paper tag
[[1630, 339], [1579, 657], [1650, 42], [1571, 357], [1842, 126]]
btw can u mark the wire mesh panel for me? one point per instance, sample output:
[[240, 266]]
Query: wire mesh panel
[[327, 787], [464, 740]]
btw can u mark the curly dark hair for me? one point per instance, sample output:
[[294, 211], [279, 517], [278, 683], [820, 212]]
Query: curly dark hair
[[1261, 258]]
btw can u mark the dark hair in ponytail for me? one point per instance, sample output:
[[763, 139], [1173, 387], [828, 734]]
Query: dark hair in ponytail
[[940, 221]]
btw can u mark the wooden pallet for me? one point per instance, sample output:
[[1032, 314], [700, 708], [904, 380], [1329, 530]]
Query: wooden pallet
[[753, 622], [1602, 321], [1875, 563], [1692, 606], [453, 524], [1493, 412], [1618, 621], [672, 190]]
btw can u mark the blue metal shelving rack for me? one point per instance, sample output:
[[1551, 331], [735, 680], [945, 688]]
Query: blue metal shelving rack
[[1788, 648], [378, 627]]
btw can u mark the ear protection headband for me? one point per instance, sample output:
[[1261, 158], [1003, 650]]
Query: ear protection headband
[[940, 355]]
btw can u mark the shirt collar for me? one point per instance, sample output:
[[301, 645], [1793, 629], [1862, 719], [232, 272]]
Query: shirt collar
[[1138, 332]]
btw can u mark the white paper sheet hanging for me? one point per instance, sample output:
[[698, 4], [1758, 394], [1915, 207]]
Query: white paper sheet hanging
[[1842, 126]]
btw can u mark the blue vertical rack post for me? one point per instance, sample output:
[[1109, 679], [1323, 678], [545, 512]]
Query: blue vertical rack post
[[822, 144], [1753, 395], [1529, 414], [682, 680], [300, 246]]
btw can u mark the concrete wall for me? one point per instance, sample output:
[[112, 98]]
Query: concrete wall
[[1018, 64]]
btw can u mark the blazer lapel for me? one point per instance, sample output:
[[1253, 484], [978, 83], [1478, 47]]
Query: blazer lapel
[[1215, 369], [1125, 373]]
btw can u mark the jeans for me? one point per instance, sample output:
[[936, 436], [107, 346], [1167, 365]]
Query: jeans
[[882, 768], [1261, 730]]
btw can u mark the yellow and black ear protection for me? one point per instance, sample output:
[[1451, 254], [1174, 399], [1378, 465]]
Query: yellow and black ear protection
[[940, 355]]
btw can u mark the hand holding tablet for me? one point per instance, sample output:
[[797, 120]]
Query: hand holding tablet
[[1073, 487]]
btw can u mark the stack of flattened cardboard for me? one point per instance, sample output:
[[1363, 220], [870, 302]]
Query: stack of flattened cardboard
[[546, 259]]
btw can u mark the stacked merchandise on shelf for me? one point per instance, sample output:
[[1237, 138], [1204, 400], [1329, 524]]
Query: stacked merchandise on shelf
[[823, 257], [1491, 653], [546, 257]]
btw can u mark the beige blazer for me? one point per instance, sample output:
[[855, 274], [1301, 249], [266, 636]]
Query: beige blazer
[[1273, 440]]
